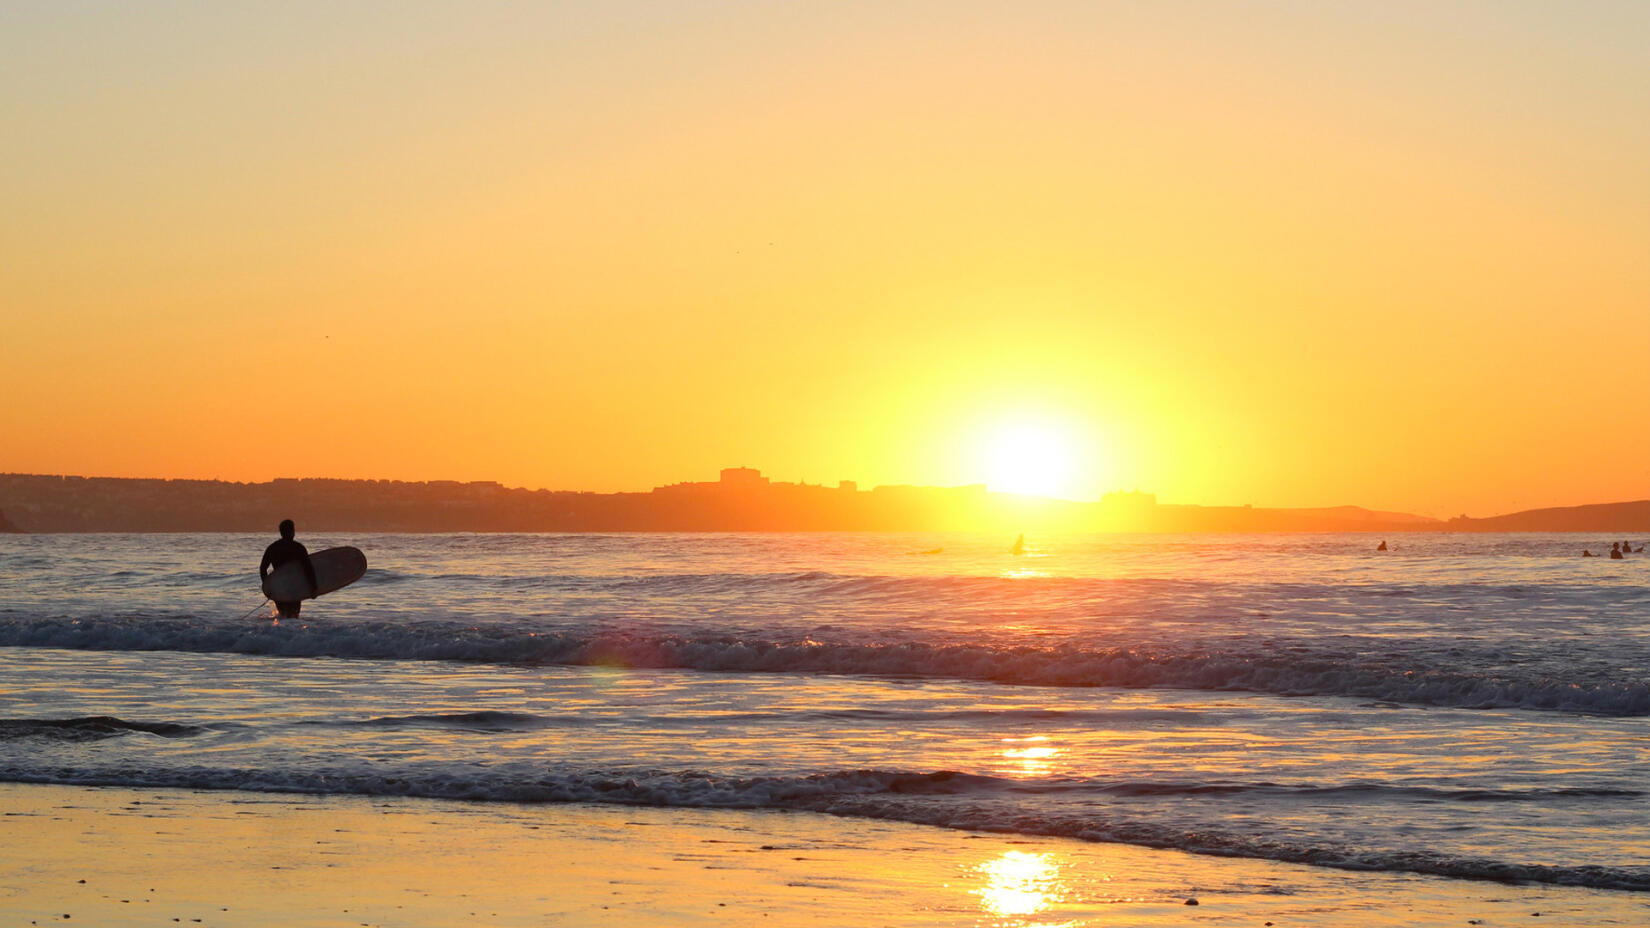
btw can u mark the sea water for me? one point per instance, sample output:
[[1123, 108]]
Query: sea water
[[1465, 706]]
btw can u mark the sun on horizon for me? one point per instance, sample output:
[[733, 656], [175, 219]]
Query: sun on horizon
[[1033, 457]]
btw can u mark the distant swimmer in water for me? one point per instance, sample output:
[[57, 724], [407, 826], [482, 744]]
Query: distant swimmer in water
[[285, 551], [1615, 551], [1381, 546], [1019, 545], [1586, 553]]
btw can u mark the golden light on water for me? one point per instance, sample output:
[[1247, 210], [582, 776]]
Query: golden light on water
[[1032, 757], [1019, 883]]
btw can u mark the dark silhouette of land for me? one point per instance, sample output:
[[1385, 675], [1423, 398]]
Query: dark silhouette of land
[[1600, 517], [742, 500]]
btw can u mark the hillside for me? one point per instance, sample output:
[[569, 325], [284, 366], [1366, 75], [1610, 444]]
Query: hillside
[[1598, 517]]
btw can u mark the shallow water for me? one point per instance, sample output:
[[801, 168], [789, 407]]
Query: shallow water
[[1468, 706]]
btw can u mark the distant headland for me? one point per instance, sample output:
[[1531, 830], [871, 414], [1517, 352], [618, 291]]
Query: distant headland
[[740, 500]]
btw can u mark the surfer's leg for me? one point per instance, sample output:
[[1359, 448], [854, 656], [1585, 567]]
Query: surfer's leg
[[287, 610]]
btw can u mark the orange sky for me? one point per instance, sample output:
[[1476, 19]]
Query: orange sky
[[1392, 254]]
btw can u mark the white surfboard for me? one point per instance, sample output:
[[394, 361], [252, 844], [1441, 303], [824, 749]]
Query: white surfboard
[[335, 568]]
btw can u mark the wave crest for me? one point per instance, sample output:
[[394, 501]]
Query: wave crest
[[89, 728], [1314, 670]]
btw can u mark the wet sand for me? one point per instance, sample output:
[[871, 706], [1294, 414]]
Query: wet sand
[[124, 857]]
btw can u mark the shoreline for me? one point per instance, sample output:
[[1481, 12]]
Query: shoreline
[[120, 856]]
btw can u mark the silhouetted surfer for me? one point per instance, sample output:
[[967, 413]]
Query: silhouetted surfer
[[1615, 551], [1381, 546], [1019, 546], [285, 551]]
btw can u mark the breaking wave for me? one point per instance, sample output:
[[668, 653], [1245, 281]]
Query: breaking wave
[[1311, 669]]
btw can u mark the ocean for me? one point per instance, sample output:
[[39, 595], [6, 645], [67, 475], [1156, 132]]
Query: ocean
[[1472, 707]]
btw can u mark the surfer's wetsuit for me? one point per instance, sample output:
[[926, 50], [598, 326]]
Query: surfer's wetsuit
[[285, 551]]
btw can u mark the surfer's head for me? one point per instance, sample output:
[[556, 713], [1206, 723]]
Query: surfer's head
[[288, 529]]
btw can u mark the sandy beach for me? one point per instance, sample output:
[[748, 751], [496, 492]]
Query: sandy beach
[[121, 857]]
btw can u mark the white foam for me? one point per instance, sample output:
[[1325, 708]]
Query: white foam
[[1312, 668]]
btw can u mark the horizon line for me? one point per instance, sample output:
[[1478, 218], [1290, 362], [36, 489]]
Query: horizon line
[[840, 487]]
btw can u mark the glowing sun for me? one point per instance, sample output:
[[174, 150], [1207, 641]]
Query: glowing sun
[[1033, 458]]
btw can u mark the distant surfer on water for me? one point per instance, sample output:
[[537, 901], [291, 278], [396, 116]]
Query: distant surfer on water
[[285, 551]]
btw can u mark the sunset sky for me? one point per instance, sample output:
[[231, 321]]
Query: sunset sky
[[1290, 254]]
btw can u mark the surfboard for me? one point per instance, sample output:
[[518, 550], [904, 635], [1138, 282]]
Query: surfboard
[[335, 568]]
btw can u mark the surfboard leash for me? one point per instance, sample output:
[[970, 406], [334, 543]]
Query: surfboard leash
[[249, 612]]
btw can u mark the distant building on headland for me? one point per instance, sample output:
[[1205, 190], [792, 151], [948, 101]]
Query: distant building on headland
[[1131, 511], [1129, 501], [743, 478]]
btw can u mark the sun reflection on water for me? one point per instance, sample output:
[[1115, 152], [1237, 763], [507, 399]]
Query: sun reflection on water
[[1018, 883], [1032, 756]]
